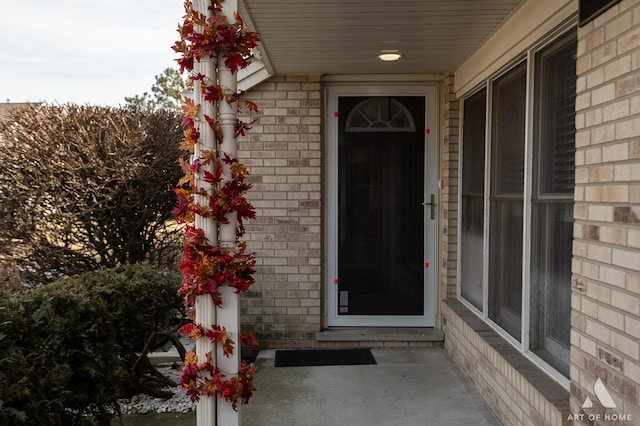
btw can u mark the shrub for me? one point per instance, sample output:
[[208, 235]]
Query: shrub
[[83, 187], [69, 350]]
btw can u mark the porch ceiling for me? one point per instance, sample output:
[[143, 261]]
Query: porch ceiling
[[344, 36]]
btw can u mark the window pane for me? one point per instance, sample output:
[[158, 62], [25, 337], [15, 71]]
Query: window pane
[[551, 283], [552, 223], [472, 214], [505, 265], [557, 81], [507, 189]]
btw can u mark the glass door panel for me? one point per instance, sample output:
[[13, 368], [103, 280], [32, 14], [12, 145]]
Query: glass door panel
[[381, 160]]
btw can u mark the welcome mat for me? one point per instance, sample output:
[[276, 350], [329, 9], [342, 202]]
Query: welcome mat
[[316, 357]]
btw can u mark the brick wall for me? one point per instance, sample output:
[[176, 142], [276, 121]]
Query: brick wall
[[283, 153], [515, 389], [449, 137], [605, 333]]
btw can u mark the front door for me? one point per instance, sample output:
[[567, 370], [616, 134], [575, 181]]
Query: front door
[[382, 159]]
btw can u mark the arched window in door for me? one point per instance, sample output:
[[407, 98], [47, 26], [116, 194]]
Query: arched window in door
[[380, 114]]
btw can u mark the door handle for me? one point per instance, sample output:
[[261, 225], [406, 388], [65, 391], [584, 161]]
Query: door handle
[[432, 204]]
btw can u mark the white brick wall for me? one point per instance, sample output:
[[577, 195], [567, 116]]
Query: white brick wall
[[606, 267], [448, 211], [283, 153]]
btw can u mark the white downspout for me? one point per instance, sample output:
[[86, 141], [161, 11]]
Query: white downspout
[[205, 309]]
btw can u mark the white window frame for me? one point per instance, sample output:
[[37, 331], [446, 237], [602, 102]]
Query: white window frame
[[528, 56]]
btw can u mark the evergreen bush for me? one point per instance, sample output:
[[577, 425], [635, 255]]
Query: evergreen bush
[[71, 349]]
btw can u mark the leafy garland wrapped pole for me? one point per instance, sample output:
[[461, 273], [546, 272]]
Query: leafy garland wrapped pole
[[212, 202]]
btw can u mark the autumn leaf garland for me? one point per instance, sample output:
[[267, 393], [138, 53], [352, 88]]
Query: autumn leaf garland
[[206, 267], [234, 42]]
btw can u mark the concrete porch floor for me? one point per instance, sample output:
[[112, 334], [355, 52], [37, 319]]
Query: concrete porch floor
[[407, 387]]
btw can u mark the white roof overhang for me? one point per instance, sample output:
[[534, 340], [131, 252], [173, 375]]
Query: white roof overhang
[[344, 37]]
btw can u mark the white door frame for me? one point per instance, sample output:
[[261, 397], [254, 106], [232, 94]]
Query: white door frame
[[332, 317]]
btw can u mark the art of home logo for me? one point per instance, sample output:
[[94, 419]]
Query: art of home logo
[[602, 394], [604, 397]]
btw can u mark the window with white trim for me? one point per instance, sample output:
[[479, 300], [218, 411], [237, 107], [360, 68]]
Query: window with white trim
[[516, 201]]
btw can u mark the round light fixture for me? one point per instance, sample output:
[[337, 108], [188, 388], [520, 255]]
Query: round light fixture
[[389, 55]]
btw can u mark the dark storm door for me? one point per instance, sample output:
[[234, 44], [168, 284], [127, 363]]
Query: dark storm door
[[381, 210]]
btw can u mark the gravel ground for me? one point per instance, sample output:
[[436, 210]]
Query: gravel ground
[[179, 403], [144, 404]]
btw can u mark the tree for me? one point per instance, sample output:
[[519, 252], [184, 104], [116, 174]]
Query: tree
[[85, 186], [166, 92]]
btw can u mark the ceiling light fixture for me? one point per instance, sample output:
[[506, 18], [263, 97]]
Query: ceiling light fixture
[[389, 55]]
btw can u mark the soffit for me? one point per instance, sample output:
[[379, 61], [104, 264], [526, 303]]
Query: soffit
[[344, 36]]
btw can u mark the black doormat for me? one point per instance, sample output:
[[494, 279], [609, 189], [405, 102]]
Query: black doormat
[[315, 357]]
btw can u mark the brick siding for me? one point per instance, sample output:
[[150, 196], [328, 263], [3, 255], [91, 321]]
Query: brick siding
[[449, 152], [284, 156], [515, 389], [605, 332]]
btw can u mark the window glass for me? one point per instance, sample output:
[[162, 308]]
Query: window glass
[[552, 224], [380, 214], [507, 197], [556, 80], [472, 209], [551, 283], [551, 174]]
